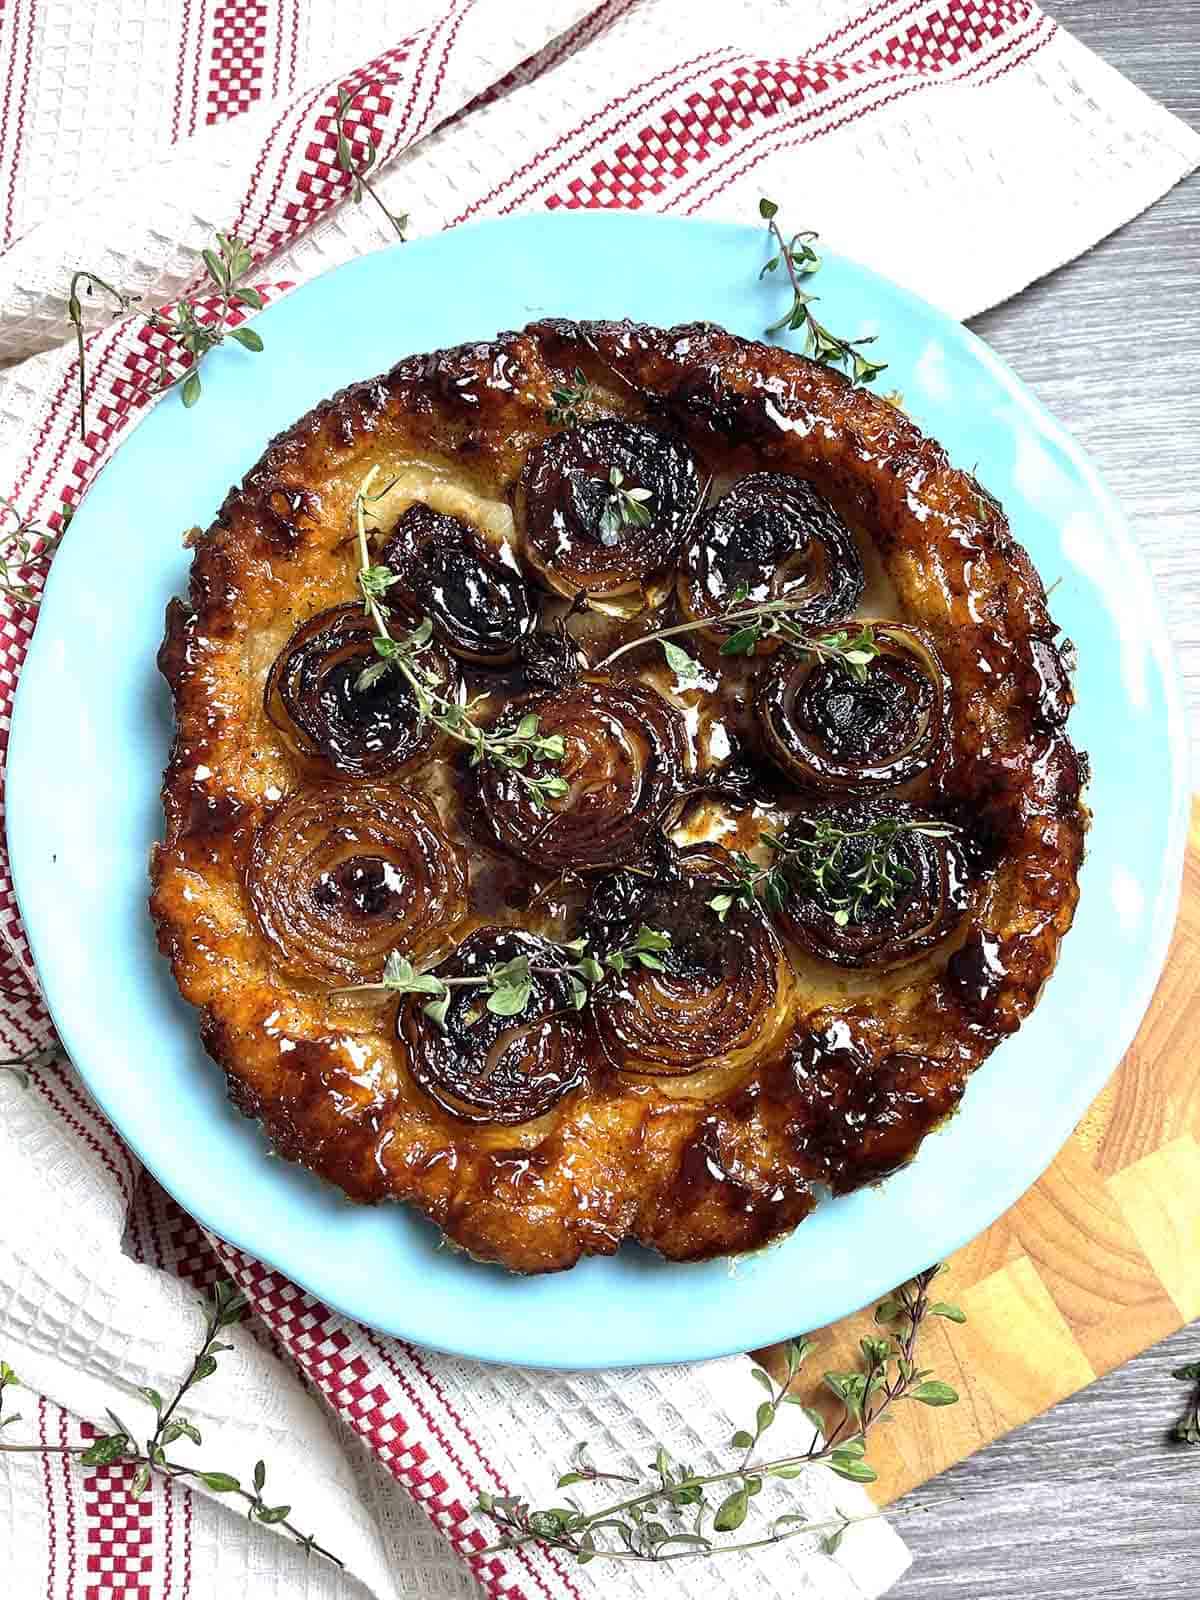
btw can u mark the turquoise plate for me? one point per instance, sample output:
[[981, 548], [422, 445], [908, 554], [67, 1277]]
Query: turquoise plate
[[92, 725]]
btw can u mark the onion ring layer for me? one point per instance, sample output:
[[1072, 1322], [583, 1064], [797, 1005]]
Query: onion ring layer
[[771, 537], [625, 749], [831, 731], [718, 993], [829, 913], [446, 571], [602, 507], [481, 1067], [338, 876], [334, 728]]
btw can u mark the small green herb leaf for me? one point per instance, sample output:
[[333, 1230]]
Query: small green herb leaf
[[731, 1513], [219, 1482], [102, 1452], [942, 1308], [689, 673], [935, 1393]]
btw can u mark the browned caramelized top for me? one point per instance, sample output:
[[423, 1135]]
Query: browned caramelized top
[[831, 884]]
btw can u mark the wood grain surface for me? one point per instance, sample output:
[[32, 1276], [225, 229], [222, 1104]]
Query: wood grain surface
[[1089, 1499]]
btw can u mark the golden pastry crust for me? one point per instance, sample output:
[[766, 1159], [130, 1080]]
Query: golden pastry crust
[[693, 1166]]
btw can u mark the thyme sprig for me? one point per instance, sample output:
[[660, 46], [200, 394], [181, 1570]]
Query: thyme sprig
[[834, 864], [357, 171], [1187, 1429], [227, 265], [799, 260], [24, 547], [506, 988], [405, 655], [623, 507], [678, 1514], [766, 619], [566, 400], [170, 1425]]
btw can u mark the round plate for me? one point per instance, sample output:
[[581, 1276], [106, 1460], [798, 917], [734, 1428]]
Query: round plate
[[92, 725]]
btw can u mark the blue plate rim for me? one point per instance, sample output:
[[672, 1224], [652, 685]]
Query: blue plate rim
[[1054, 1132]]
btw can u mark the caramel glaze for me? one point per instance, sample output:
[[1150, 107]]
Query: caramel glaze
[[692, 1166]]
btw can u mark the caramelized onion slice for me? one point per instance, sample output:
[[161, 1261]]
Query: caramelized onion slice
[[827, 730], [775, 538], [485, 1068], [929, 893], [625, 749], [446, 571], [339, 876], [580, 531], [724, 988], [855, 1118], [331, 726]]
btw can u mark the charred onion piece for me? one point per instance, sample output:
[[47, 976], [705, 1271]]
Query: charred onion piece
[[566, 487], [723, 990], [550, 661], [775, 538], [446, 571], [926, 894], [485, 1068], [855, 1118], [339, 876], [829, 730], [333, 727], [625, 749]]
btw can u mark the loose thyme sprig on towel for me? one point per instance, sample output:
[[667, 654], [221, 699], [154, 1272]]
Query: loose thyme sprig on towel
[[227, 265], [514, 750], [357, 171], [852, 882], [768, 619], [800, 259], [509, 984], [25, 546], [170, 1425], [678, 1513]]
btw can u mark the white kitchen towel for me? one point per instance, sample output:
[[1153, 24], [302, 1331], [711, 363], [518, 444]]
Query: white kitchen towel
[[964, 148]]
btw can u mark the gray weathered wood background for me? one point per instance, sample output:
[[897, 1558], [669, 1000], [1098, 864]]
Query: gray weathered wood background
[[1090, 1500]]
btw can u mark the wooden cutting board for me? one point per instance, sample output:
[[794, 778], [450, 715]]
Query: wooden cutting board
[[1098, 1261]]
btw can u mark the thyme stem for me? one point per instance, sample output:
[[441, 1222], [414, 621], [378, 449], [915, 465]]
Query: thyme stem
[[754, 613], [224, 1310], [890, 1374]]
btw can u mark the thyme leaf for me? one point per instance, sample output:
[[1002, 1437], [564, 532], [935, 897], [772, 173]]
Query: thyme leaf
[[624, 507], [26, 547], [567, 399], [1187, 1429], [767, 619]]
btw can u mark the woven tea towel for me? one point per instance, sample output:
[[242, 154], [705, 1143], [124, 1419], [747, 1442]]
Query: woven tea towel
[[964, 147]]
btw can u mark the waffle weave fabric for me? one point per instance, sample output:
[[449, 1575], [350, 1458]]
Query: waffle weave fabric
[[963, 147]]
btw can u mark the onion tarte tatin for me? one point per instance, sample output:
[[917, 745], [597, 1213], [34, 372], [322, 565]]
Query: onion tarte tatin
[[567, 939]]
